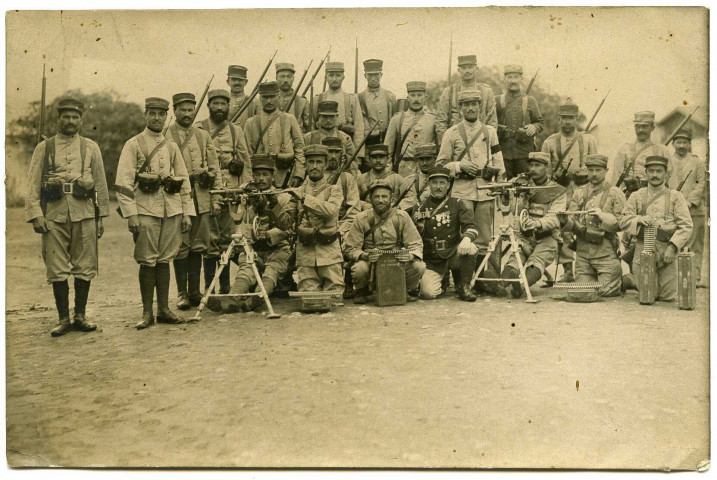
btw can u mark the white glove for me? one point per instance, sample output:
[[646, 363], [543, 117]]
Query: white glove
[[466, 247]]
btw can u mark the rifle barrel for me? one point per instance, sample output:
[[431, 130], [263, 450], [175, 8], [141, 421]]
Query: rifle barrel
[[201, 99], [318, 69], [450, 86], [345, 167], [263, 74], [356, 68], [41, 129], [587, 127], [532, 80], [679, 127], [298, 86]]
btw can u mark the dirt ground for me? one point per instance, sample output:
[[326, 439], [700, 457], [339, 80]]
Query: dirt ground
[[498, 383]]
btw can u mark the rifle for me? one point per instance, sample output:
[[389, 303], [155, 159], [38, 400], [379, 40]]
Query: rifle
[[254, 92], [682, 183], [450, 87], [201, 100], [41, 127], [166, 125], [345, 167], [587, 127], [356, 68], [318, 69], [296, 90], [263, 74], [517, 185], [532, 80], [96, 204], [328, 58], [679, 127]]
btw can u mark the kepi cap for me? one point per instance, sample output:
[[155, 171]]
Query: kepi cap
[[333, 143], [644, 117], [416, 86], [439, 172], [156, 102], [540, 157], [513, 68], [372, 65], [379, 149], [683, 133], [467, 60], [425, 150], [596, 161], [183, 97], [334, 66], [237, 71], [469, 96], [316, 150], [285, 66], [568, 108], [262, 161], [380, 183], [218, 93], [328, 107], [71, 104], [268, 89], [656, 160]]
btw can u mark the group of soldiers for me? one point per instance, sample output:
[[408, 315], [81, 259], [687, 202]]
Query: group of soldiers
[[335, 181]]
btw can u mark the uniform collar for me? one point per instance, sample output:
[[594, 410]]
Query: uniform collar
[[384, 174], [519, 93], [318, 183], [237, 95], [336, 92], [152, 134], [272, 114], [181, 128], [655, 190], [63, 137], [288, 93], [476, 125]]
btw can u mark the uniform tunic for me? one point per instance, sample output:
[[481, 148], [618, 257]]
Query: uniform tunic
[[584, 145], [630, 151], [380, 104], [487, 113], [510, 113], [598, 261], [669, 212], [69, 248], [299, 109], [315, 137], [237, 101], [692, 168], [419, 191], [419, 128], [351, 202], [366, 179], [349, 112]]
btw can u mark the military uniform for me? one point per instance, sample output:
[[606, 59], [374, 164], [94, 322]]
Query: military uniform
[[159, 212], [300, 107], [487, 114], [365, 180], [668, 210], [351, 202], [316, 137], [443, 224], [237, 101], [596, 257], [417, 182], [407, 130], [69, 247], [281, 137], [485, 152], [376, 105], [394, 230], [318, 250]]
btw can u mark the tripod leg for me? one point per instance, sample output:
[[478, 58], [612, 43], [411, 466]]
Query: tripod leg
[[521, 271], [259, 283], [484, 263], [223, 263]]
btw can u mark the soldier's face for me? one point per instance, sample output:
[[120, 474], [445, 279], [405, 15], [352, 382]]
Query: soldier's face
[[69, 122], [682, 146], [263, 178], [285, 79], [315, 166], [538, 171], [643, 131], [327, 122], [567, 123], [184, 112], [218, 109], [335, 79], [469, 110], [332, 161], [416, 100], [596, 175], [438, 186], [236, 85], [373, 79], [154, 119], [381, 200], [655, 175], [378, 162], [426, 163], [512, 81], [467, 72], [268, 103]]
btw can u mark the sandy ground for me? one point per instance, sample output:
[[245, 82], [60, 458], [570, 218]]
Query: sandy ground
[[498, 383]]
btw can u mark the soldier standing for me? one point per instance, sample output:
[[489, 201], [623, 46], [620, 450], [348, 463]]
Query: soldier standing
[[446, 225], [275, 213], [467, 68], [386, 228], [411, 128], [378, 158], [274, 132], [519, 121], [66, 174], [201, 162], [596, 232], [666, 209], [300, 108], [538, 234], [417, 182], [377, 104], [351, 202], [693, 179], [237, 80], [319, 260], [350, 119], [328, 114], [154, 195]]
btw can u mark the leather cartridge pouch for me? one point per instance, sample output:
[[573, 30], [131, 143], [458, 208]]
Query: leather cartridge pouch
[[81, 192], [284, 160], [307, 236], [490, 174], [172, 185], [149, 182], [206, 179], [326, 238], [236, 166], [664, 233], [594, 235], [51, 189]]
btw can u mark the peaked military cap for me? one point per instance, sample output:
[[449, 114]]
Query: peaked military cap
[[333, 143], [316, 150], [568, 108], [684, 133], [512, 69], [328, 107], [262, 161], [644, 117], [425, 150], [236, 71], [372, 65], [218, 93], [469, 96], [656, 160], [285, 66], [467, 60], [156, 102], [268, 89], [596, 160], [334, 66], [380, 183], [540, 157], [183, 97], [379, 149], [438, 172], [71, 104], [416, 86]]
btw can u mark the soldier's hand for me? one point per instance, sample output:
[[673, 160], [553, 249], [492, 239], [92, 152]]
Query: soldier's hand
[[670, 254], [597, 212], [296, 193], [295, 182], [272, 200], [404, 256], [100, 228], [133, 224], [644, 220], [469, 168], [530, 130], [186, 223], [464, 248], [374, 256], [40, 225], [216, 208], [529, 224]]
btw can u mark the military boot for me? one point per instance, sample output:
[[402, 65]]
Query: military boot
[[361, 296], [61, 292], [465, 293], [181, 266], [225, 279], [81, 323], [532, 275], [567, 276], [63, 326], [82, 290], [194, 275], [164, 314], [514, 288], [252, 303], [210, 268], [348, 283], [147, 276]]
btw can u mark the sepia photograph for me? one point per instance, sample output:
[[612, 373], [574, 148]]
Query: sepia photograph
[[336, 238]]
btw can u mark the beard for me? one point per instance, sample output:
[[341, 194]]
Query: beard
[[218, 116]]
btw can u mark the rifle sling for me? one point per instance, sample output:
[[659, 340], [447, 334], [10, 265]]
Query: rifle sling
[[469, 145], [148, 156], [399, 150], [263, 132]]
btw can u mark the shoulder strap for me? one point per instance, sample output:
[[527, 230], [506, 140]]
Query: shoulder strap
[[234, 138], [633, 158], [49, 160], [654, 199], [667, 202], [348, 107], [202, 146], [405, 135], [148, 157], [362, 103], [469, 145], [502, 101], [263, 132], [526, 120], [83, 154], [580, 148], [486, 139]]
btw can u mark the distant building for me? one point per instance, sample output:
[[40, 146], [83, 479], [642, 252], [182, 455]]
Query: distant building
[[698, 124]]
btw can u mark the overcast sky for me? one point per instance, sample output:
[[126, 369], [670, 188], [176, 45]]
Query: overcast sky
[[651, 58]]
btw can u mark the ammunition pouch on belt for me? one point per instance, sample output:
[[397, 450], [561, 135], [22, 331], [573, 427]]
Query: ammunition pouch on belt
[[81, 192], [593, 235], [284, 161], [326, 239], [664, 234], [539, 235], [307, 236], [490, 174], [236, 167], [149, 182], [632, 184], [172, 185], [51, 189], [580, 179], [347, 128], [563, 179], [522, 137], [205, 179]]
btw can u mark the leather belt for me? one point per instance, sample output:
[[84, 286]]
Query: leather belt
[[465, 176]]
